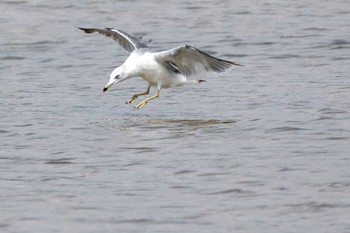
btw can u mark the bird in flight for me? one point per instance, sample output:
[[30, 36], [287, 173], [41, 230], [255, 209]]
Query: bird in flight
[[164, 69]]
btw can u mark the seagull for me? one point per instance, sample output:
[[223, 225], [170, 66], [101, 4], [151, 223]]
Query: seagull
[[164, 69]]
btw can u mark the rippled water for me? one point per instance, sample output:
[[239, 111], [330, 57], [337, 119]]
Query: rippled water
[[262, 148]]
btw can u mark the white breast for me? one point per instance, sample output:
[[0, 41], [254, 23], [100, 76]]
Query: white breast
[[146, 67]]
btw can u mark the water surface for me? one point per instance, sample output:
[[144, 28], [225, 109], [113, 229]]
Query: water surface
[[262, 148]]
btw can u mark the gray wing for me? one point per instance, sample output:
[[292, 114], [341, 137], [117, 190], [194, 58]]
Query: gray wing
[[191, 60], [128, 42]]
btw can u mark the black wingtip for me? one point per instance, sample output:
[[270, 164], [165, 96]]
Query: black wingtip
[[86, 30], [236, 64]]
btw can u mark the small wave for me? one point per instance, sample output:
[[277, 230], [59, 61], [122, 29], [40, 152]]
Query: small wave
[[11, 58], [284, 129]]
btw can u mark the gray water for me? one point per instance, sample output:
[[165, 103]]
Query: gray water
[[261, 148]]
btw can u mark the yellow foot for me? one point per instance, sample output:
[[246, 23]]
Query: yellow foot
[[140, 105], [132, 99]]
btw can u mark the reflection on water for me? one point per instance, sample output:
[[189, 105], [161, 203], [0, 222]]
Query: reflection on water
[[190, 123]]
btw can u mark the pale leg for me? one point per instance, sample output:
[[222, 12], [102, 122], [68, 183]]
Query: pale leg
[[140, 105], [134, 97]]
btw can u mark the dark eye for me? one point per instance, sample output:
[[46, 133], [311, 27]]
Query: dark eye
[[117, 77]]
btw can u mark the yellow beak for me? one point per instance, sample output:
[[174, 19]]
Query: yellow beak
[[107, 87]]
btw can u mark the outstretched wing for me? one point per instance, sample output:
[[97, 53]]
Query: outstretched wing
[[191, 61], [129, 43]]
